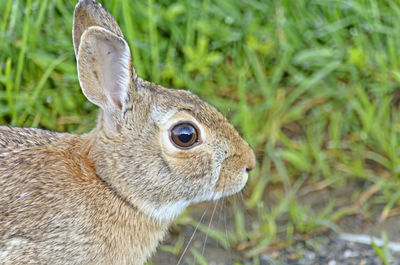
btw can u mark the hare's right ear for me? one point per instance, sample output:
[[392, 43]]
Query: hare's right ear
[[103, 57]]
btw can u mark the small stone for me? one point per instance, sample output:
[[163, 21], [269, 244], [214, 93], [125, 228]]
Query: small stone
[[311, 255], [349, 254], [363, 262], [332, 262]]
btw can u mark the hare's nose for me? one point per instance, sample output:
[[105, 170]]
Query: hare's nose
[[248, 169]]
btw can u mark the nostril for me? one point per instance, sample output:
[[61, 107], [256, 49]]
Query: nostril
[[248, 169]]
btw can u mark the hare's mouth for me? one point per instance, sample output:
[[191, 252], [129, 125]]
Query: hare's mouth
[[232, 188]]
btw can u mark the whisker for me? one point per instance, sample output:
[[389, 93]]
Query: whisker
[[209, 225], [239, 198], [192, 236], [226, 229], [221, 208]]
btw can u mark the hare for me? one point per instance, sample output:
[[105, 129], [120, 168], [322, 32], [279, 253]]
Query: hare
[[108, 196]]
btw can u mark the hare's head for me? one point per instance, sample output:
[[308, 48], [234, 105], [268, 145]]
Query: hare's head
[[160, 149]]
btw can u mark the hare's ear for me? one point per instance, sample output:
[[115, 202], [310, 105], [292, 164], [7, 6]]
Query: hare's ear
[[104, 68], [90, 13]]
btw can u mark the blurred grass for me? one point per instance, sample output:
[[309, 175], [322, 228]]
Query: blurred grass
[[312, 85]]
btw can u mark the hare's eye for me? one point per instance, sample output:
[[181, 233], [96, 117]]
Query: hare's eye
[[184, 135]]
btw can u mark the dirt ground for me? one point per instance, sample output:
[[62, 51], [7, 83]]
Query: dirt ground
[[351, 245], [328, 248]]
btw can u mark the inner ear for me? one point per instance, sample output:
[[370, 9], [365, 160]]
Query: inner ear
[[104, 63]]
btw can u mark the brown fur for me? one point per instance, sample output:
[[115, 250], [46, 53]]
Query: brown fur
[[57, 211], [107, 197]]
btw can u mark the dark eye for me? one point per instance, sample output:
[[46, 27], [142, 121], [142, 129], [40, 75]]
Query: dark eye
[[184, 135]]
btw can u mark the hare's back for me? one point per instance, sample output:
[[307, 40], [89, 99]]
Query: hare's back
[[48, 192], [16, 137]]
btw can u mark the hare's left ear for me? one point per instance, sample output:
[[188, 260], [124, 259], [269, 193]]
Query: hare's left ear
[[89, 13], [104, 60], [104, 68]]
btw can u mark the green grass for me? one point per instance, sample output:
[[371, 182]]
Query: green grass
[[382, 252], [312, 85]]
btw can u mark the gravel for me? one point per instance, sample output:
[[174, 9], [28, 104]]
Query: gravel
[[330, 249], [327, 249]]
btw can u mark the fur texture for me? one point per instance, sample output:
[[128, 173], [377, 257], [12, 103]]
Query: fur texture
[[107, 197]]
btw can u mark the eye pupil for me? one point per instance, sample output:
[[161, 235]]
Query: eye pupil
[[184, 135]]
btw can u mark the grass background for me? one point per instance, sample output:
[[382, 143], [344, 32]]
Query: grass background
[[312, 85]]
